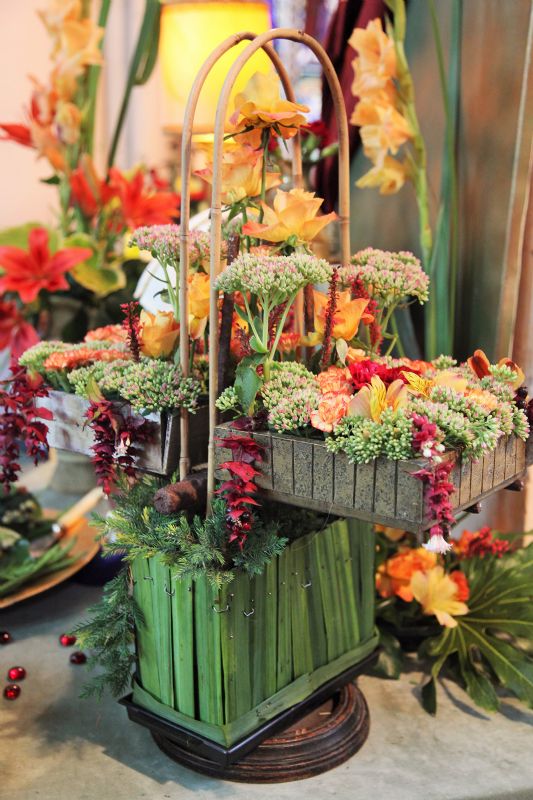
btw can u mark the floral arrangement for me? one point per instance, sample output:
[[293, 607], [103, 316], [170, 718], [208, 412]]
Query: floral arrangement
[[84, 257], [468, 617]]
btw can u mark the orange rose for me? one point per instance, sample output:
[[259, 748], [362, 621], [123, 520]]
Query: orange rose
[[394, 576], [159, 333], [241, 173], [293, 216], [331, 409], [335, 380], [260, 105]]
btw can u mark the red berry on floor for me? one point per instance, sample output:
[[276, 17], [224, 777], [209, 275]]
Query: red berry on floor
[[5, 637], [78, 657], [67, 640], [16, 674], [12, 691]]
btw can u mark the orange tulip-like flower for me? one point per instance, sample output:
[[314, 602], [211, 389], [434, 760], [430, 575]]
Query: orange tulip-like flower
[[348, 314], [260, 105], [198, 294], [159, 333], [371, 401], [27, 272], [241, 173], [394, 576], [480, 366], [375, 64], [383, 129], [332, 407], [293, 218], [438, 594], [335, 380], [388, 177]]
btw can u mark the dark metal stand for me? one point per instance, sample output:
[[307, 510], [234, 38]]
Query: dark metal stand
[[312, 737]]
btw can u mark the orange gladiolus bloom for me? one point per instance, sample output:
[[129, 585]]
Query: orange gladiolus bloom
[[388, 176], [394, 576], [67, 122], [371, 401], [375, 65], [241, 173], [383, 129], [348, 314], [260, 105], [293, 216], [159, 333]]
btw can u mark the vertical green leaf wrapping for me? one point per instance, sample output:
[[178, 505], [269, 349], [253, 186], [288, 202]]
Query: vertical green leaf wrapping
[[161, 603], [183, 651], [147, 650], [302, 652], [208, 656], [284, 667]]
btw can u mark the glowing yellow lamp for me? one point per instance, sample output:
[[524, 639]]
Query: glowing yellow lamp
[[190, 30]]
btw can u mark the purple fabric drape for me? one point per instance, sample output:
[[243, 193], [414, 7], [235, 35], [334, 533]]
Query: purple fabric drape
[[349, 15]]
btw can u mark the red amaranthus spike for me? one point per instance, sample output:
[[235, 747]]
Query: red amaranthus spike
[[20, 420], [239, 489], [329, 320], [132, 326], [115, 438]]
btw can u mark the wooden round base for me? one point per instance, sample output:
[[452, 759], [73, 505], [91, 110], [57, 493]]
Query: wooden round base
[[323, 739]]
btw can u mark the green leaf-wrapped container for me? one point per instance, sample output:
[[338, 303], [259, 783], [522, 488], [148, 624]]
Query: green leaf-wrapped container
[[221, 662]]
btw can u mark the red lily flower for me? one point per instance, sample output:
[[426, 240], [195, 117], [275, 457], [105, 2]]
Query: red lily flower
[[15, 332], [20, 134], [88, 190], [28, 272], [140, 207]]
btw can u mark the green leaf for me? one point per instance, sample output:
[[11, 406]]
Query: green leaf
[[258, 345], [91, 274], [53, 180], [390, 660], [247, 381], [477, 685], [19, 235]]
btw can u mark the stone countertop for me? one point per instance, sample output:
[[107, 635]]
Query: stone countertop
[[54, 745]]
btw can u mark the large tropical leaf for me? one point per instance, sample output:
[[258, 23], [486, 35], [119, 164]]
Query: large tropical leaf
[[491, 646]]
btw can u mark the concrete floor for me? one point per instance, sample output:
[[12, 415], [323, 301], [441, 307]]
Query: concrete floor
[[55, 746]]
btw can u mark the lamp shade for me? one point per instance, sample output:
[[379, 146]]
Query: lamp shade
[[190, 31]]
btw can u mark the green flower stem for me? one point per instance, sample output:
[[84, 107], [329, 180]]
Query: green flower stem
[[250, 317], [399, 344], [92, 83], [265, 136], [280, 327]]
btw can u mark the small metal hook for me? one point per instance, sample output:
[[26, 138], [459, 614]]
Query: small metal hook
[[306, 585], [170, 594], [148, 578], [249, 613], [220, 610]]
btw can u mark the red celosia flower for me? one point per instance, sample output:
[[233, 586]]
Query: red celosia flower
[[29, 272], [15, 332], [476, 544], [140, 207], [331, 308], [363, 371], [463, 589], [132, 328]]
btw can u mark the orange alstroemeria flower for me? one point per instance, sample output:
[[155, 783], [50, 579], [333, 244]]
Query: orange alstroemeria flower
[[394, 576], [332, 407], [293, 217], [480, 366], [159, 333], [137, 205], [348, 314], [371, 401], [260, 105], [422, 387], [438, 594], [27, 272], [335, 380], [241, 173]]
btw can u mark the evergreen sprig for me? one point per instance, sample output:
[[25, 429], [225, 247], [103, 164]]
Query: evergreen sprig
[[109, 634]]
